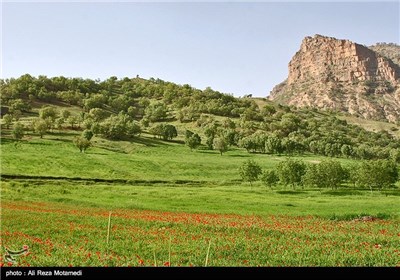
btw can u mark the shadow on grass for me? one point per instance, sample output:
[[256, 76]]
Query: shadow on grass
[[5, 141], [239, 156], [61, 140], [64, 133], [343, 192], [149, 142], [208, 151], [294, 192]]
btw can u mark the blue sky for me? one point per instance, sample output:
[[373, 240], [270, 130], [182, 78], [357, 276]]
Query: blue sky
[[233, 47]]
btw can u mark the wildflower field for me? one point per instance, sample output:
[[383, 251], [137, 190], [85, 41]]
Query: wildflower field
[[65, 234]]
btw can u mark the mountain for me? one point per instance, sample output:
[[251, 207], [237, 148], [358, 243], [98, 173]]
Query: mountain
[[340, 75]]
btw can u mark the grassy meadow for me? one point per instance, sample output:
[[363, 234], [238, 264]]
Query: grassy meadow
[[174, 207]]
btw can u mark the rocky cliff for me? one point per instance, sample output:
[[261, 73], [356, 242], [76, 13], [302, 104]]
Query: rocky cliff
[[341, 75]]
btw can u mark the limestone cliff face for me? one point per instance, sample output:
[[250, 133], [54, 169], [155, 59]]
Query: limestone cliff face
[[328, 73]]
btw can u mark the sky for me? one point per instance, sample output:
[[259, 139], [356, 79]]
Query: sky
[[234, 47]]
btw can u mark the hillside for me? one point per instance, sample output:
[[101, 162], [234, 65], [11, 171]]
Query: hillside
[[131, 109], [343, 76]]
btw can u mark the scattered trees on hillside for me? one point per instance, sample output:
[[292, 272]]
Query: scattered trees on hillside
[[273, 129]]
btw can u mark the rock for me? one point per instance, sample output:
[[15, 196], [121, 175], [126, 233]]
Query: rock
[[330, 73]]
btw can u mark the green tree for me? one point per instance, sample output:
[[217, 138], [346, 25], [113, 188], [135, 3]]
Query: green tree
[[312, 176], [192, 141], [40, 127], [133, 128], [169, 132], [82, 143], [65, 114], [270, 178], [376, 174], [332, 173], [87, 134], [8, 119], [164, 131], [156, 112], [19, 104], [48, 112], [249, 171], [220, 144], [291, 171], [17, 114], [18, 131], [326, 174]]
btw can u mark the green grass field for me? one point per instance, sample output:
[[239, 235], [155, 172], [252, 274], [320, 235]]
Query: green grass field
[[174, 207], [146, 159]]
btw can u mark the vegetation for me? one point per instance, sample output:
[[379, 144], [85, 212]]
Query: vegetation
[[149, 152], [250, 171]]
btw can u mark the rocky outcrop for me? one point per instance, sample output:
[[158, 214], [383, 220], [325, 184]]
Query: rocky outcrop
[[341, 75]]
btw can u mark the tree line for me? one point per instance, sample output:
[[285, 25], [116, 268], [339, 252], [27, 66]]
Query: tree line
[[372, 174]]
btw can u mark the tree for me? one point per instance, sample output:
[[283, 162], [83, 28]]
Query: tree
[[169, 132], [18, 131], [312, 176], [133, 128], [270, 178], [65, 114], [19, 104], [48, 112], [192, 141], [87, 134], [17, 114], [157, 130], [249, 171], [328, 173], [82, 143], [40, 127], [376, 174], [220, 144], [73, 120], [164, 131], [290, 172], [156, 112], [7, 118], [331, 173]]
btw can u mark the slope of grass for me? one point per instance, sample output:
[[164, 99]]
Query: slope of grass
[[145, 158]]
